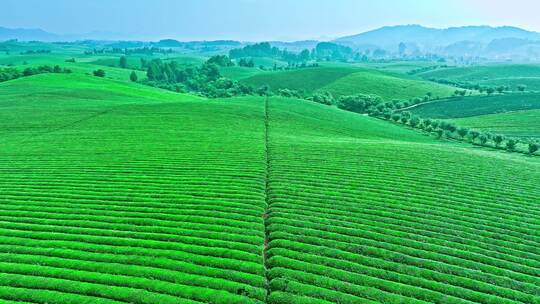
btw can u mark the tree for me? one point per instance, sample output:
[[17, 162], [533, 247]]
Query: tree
[[324, 98], [221, 60], [500, 89], [263, 90], [490, 91], [396, 117], [133, 76], [99, 73], [483, 139], [533, 147], [57, 69], [498, 139], [521, 87], [462, 132], [439, 132], [123, 62], [414, 122], [474, 135], [511, 145]]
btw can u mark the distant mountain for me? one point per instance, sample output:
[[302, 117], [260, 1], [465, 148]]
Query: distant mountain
[[456, 41], [26, 34]]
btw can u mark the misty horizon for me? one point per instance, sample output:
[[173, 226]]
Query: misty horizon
[[261, 20]]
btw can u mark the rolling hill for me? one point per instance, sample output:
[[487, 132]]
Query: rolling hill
[[511, 75], [113, 192], [308, 79], [349, 80], [388, 87], [478, 105], [516, 124]]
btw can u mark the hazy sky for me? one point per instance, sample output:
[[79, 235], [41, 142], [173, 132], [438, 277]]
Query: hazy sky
[[258, 19]]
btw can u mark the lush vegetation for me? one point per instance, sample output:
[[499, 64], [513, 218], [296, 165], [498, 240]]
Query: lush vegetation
[[339, 183]]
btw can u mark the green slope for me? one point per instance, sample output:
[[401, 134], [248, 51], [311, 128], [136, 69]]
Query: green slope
[[117, 193], [307, 79], [492, 75], [516, 124], [478, 105], [386, 86], [349, 80]]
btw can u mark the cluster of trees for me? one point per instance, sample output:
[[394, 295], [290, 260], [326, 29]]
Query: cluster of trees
[[221, 60], [13, 73], [264, 49], [323, 51], [130, 51], [205, 79], [332, 52], [30, 52], [243, 62], [99, 73]]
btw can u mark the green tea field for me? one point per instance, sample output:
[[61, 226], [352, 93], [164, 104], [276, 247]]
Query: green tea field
[[518, 124], [116, 192], [479, 105], [510, 75]]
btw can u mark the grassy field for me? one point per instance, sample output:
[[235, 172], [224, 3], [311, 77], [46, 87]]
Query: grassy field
[[114, 192], [478, 105], [516, 124], [492, 75]]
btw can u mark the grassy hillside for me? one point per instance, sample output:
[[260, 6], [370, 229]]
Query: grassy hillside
[[478, 105], [492, 75], [117, 193], [386, 86], [516, 124]]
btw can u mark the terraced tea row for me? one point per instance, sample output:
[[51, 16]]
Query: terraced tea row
[[146, 203], [394, 219]]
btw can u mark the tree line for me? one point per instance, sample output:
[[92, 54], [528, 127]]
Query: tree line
[[11, 73], [323, 51]]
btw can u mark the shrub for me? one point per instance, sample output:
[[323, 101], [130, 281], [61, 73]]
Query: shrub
[[533, 147], [324, 98], [133, 76], [99, 73], [474, 135], [483, 139], [511, 145], [498, 139], [462, 132]]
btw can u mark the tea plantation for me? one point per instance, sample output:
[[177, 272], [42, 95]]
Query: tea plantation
[[114, 192]]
